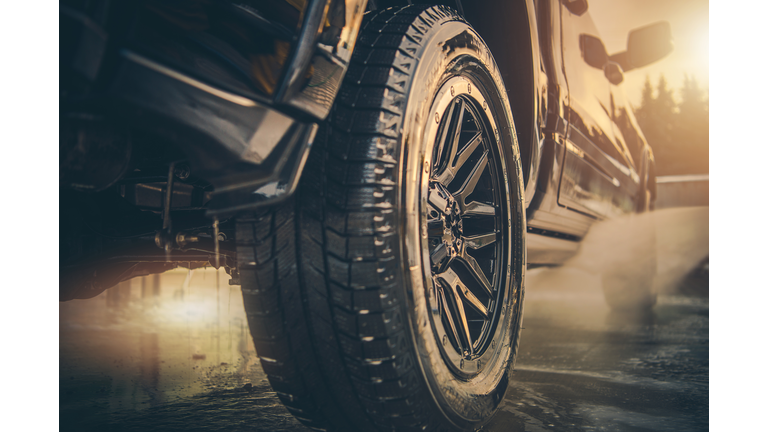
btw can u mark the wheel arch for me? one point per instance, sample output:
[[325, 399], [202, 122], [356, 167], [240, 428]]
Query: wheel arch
[[510, 30], [498, 22]]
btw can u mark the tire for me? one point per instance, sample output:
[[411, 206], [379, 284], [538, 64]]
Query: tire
[[366, 292]]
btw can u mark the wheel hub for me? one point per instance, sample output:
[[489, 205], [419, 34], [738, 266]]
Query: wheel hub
[[449, 226]]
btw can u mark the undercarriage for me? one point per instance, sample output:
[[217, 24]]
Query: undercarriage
[[147, 219]]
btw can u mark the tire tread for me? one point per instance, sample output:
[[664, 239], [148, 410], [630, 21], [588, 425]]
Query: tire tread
[[329, 326]]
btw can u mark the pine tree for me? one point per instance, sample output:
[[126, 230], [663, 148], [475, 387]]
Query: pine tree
[[664, 103], [692, 132], [655, 116], [643, 112], [677, 133]]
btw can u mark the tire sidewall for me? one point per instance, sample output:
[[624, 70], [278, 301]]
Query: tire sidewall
[[452, 48]]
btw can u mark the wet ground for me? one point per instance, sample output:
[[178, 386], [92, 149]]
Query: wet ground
[[175, 354]]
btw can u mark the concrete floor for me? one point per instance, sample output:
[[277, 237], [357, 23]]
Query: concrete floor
[[179, 357]]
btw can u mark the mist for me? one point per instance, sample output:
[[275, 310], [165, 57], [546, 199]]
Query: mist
[[625, 246]]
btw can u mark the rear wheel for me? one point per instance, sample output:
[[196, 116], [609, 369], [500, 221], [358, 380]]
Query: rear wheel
[[387, 295]]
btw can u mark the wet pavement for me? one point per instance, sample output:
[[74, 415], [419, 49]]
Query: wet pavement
[[174, 353], [583, 367]]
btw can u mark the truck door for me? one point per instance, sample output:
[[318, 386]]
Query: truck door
[[596, 177], [629, 136]]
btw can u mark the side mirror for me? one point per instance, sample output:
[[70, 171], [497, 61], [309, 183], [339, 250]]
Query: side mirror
[[614, 73], [645, 45], [593, 51], [576, 7], [594, 54]]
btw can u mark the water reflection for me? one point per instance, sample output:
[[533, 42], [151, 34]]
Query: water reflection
[[152, 341], [149, 367], [174, 352], [584, 367], [633, 318]]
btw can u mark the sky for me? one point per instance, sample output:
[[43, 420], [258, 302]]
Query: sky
[[689, 20]]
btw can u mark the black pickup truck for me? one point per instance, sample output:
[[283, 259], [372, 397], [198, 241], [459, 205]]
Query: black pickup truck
[[375, 175]]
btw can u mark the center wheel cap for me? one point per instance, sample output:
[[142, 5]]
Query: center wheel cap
[[446, 224], [453, 225]]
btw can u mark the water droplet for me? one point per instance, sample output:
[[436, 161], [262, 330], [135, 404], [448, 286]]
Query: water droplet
[[437, 118], [452, 91]]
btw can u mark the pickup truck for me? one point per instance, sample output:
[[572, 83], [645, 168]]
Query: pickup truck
[[375, 175]]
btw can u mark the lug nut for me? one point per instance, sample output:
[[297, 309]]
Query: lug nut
[[182, 171], [183, 239]]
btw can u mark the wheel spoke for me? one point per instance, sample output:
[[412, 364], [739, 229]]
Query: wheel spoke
[[481, 240], [476, 271], [476, 208], [463, 323], [446, 177], [438, 254], [446, 311], [444, 136], [456, 130], [459, 290], [454, 281], [438, 203], [468, 150], [472, 299], [449, 139], [469, 184]]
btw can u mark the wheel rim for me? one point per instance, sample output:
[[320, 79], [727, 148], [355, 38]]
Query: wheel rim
[[465, 222]]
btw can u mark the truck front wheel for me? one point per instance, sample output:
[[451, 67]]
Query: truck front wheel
[[388, 293]]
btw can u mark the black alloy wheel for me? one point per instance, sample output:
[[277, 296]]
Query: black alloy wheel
[[387, 293], [464, 238], [466, 216]]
